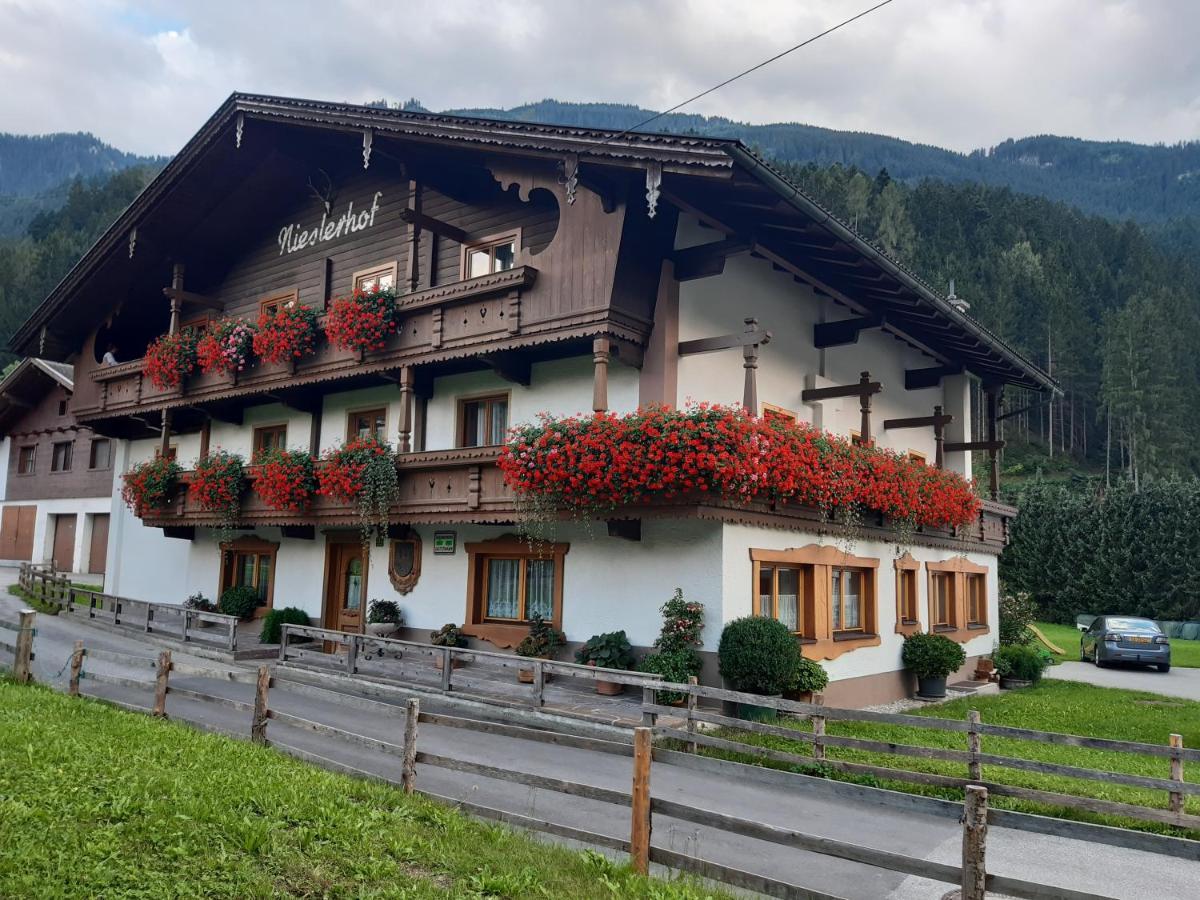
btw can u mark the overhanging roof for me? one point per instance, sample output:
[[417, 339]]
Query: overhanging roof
[[26, 385]]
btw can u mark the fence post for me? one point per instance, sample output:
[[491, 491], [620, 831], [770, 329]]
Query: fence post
[[149, 616], [539, 684], [649, 698], [408, 770], [1176, 797], [447, 667], [187, 620], [258, 727], [691, 711], [974, 746], [974, 843], [232, 639], [818, 725], [160, 684], [23, 661], [76, 669], [639, 834], [283, 642], [351, 654]]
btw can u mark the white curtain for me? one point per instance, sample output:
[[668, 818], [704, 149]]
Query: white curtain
[[847, 599], [504, 579], [500, 426], [539, 589], [788, 610]]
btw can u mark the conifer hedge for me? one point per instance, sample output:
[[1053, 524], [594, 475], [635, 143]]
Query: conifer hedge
[[1087, 549]]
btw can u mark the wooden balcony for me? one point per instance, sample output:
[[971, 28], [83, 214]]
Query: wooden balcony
[[439, 486]]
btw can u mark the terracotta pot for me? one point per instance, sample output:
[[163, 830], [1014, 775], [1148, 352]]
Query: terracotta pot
[[609, 688], [455, 663], [525, 676]]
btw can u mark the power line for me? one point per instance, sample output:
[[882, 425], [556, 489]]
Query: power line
[[765, 62]]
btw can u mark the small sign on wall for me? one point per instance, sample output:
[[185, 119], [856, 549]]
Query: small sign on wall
[[444, 542]]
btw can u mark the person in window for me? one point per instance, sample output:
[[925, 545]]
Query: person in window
[[110, 355]]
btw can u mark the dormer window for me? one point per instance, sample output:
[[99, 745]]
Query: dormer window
[[494, 254]]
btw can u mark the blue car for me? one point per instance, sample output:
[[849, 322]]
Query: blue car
[[1112, 639]]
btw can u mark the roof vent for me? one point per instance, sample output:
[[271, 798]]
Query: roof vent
[[956, 301]]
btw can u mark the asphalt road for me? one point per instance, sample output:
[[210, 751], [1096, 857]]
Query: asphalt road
[[915, 832], [1179, 682]]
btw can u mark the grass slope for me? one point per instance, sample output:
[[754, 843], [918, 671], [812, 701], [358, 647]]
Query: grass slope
[[97, 802], [1061, 706], [1183, 653]]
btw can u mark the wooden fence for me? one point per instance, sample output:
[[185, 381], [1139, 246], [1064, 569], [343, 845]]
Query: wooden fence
[[21, 646], [971, 876], [972, 756], [344, 651], [208, 629]]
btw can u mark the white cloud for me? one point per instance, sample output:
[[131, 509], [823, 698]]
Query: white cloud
[[958, 73]]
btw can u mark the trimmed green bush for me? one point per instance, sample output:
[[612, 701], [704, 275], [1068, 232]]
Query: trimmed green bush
[[758, 655], [241, 600], [611, 650], [675, 666], [1020, 661], [275, 619], [932, 655], [810, 677]]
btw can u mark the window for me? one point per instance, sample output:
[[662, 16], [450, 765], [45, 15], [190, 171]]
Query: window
[[856, 438], [60, 457], [976, 599], [199, 324], [847, 598], [906, 596], [916, 456], [785, 593], [26, 459], [483, 421], [100, 454], [269, 437], [770, 411], [495, 254], [379, 277], [404, 562], [62, 407], [365, 423], [511, 581], [250, 561], [942, 584], [172, 452], [271, 304]]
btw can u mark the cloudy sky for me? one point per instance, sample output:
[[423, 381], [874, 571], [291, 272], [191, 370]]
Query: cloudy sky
[[956, 73]]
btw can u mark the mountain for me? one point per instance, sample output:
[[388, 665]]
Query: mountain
[[1116, 179]]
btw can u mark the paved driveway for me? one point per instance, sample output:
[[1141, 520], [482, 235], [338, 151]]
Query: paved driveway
[[1179, 682]]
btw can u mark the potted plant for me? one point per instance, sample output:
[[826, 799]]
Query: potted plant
[[149, 484], [675, 657], [363, 472], [932, 658], [1019, 665], [286, 479], [810, 678], [217, 485], [170, 359], [758, 655], [200, 603], [449, 635], [676, 667], [610, 650], [226, 347], [363, 321], [286, 334], [383, 617], [241, 600], [542, 642]]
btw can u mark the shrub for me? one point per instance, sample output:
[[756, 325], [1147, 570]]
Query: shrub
[[683, 622], [542, 641], [200, 603], [1017, 613], [275, 619], [758, 655], [449, 635], [1020, 661], [241, 600], [149, 484], [609, 651], [381, 611], [810, 677], [675, 666], [932, 655]]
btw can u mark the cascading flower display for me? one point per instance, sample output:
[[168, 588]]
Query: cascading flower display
[[216, 486], [286, 479], [287, 333], [604, 461], [362, 471], [226, 346], [170, 359], [363, 321], [149, 484]]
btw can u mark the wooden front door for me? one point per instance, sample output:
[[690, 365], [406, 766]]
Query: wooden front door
[[99, 548], [345, 586], [64, 543], [16, 532]]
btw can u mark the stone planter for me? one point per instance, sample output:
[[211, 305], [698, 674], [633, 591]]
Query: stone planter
[[1013, 684], [931, 688]]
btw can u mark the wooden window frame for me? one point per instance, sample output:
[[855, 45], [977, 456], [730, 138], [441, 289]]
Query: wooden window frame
[[198, 323], [955, 570], [824, 643], [69, 457], [278, 299], [405, 583], [352, 432], [32, 448], [856, 438], [805, 615], [865, 598], [460, 427], [972, 620], [508, 632], [770, 410], [489, 242], [172, 452], [259, 430], [918, 456], [229, 566], [906, 573], [62, 407], [92, 467], [391, 268]]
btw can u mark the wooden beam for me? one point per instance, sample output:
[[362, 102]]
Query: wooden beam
[[300, 532], [919, 422], [858, 389], [706, 260], [919, 379], [626, 529], [724, 342], [429, 223], [180, 532], [182, 296], [844, 331], [516, 368], [956, 447]]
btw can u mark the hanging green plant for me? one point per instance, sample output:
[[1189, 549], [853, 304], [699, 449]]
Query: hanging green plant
[[217, 486], [363, 471]]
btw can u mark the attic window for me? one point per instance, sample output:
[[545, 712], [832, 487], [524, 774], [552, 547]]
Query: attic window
[[62, 407]]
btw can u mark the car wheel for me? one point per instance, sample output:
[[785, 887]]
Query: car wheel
[[1082, 653], [1100, 664], [1164, 667]]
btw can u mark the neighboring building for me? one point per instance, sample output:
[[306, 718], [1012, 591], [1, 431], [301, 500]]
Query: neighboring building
[[57, 474], [543, 269]]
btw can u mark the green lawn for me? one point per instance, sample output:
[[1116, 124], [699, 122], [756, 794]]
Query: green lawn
[[1061, 706], [48, 609], [98, 802], [1183, 653]]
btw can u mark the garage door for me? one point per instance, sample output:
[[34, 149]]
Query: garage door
[[99, 548], [16, 532], [64, 543]]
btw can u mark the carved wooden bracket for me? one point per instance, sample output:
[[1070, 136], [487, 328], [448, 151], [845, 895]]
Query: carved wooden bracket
[[653, 187]]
